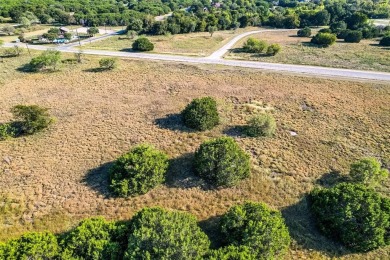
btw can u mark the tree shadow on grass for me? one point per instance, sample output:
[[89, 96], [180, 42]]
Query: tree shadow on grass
[[235, 131], [211, 227], [172, 122], [331, 178], [95, 70], [98, 179], [181, 174], [303, 230]]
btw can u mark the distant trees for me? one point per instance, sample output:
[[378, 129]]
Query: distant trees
[[305, 32], [256, 226], [138, 171], [324, 39], [142, 44], [108, 63], [354, 214], [201, 114], [161, 234], [221, 162], [48, 61]]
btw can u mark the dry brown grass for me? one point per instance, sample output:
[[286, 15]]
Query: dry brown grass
[[59, 176], [366, 55]]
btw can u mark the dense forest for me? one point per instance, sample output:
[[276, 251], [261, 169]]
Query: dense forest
[[192, 15]]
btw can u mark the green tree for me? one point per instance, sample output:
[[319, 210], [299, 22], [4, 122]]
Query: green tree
[[131, 34], [31, 119], [108, 63], [256, 226], [94, 239], [261, 125], [48, 60], [212, 29], [253, 45], [201, 114], [324, 39], [357, 21], [305, 32], [385, 41], [221, 162], [92, 31], [160, 234], [25, 22], [368, 171], [142, 44], [273, 49], [138, 171], [353, 36], [354, 214]]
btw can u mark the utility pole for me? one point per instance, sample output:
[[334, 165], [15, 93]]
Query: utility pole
[[28, 49]]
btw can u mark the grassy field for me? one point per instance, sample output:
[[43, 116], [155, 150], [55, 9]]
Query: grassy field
[[55, 178], [366, 55], [194, 44]]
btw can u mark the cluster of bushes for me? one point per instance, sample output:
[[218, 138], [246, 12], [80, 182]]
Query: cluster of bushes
[[46, 61], [253, 45], [252, 230], [354, 213], [28, 120]]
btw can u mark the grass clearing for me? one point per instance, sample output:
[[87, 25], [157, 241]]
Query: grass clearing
[[59, 176], [366, 55], [193, 44]]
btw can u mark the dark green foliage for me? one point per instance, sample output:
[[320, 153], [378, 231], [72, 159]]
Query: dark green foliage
[[138, 171], [353, 214], [368, 171], [325, 30], [95, 238], [160, 234], [353, 36], [256, 226], [385, 41], [356, 21], [92, 31], [337, 27], [201, 114], [324, 39], [222, 162], [7, 130], [108, 63], [35, 245], [142, 44], [231, 252], [261, 125], [305, 32], [273, 49], [253, 45], [31, 119], [48, 60]]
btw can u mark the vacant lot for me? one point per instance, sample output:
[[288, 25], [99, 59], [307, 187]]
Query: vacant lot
[[194, 44], [366, 55], [55, 178]]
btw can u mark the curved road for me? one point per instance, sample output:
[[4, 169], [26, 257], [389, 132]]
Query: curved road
[[216, 59]]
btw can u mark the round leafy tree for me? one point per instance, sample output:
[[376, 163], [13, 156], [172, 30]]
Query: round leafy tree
[[231, 252], [201, 114], [222, 162], [256, 226], [305, 32], [142, 44], [94, 238], [368, 171], [353, 36], [138, 171], [160, 234], [261, 125], [35, 245], [353, 214], [273, 49], [324, 39]]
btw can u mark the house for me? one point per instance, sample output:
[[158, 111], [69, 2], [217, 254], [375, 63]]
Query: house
[[64, 30]]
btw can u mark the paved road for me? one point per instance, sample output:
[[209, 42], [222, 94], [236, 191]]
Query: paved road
[[216, 59]]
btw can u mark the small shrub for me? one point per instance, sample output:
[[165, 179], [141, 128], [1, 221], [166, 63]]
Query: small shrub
[[368, 171], [273, 49], [353, 36], [324, 39], [385, 41], [261, 125], [108, 63], [325, 30], [138, 171], [142, 44], [354, 214], [221, 162], [342, 34], [94, 238], [6, 131], [201, 114], [305, 32], [231, 252], [48, 60], [160, 234], [32, 118], [256, 226], [253, 45]]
